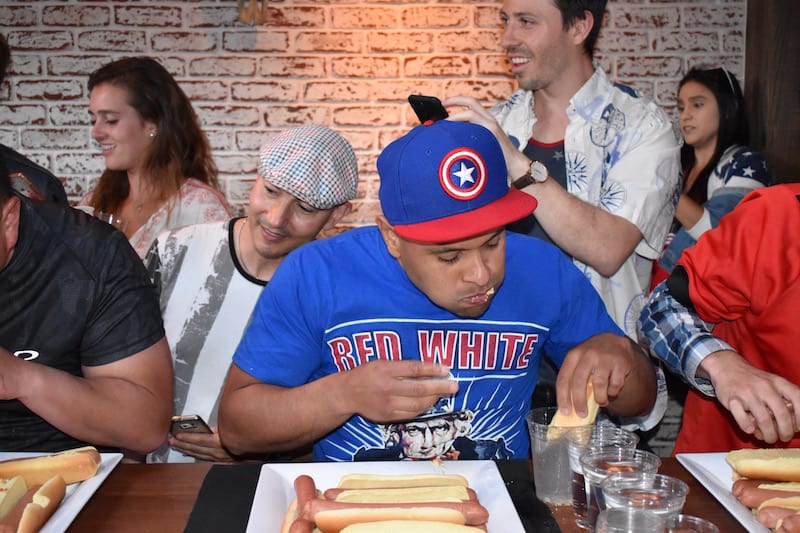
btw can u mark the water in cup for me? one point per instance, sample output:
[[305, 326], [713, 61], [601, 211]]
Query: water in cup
[[582, 440]]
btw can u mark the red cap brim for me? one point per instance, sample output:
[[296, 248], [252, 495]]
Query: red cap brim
[[514, 206]]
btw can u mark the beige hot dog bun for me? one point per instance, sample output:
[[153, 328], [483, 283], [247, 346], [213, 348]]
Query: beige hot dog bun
[[35, 507], [451, 493], [572, 420], [73, 465], [334, 521], [409, 526], [776, 464], [386, 481]]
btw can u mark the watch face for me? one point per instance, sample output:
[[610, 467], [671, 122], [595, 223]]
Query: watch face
[[538, 172]]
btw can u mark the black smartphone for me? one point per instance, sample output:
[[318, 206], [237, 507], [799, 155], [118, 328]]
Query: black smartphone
[[189, 424], [427, 107]]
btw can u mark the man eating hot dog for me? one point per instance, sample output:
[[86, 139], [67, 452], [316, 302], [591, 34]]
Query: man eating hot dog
[[372, 327]]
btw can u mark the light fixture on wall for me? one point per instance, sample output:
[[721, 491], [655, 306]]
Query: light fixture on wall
[[250, 12]]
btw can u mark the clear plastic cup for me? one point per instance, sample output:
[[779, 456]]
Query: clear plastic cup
[[664, 495], [691, 524], [600, 463], [584, 439], [551, 471], [629, 520]]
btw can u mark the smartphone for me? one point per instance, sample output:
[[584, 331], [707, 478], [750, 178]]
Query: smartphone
[[427, 107], [189, 424]]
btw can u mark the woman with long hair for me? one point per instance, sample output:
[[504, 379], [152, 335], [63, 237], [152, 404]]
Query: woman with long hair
[[719, 166], [159, 171]]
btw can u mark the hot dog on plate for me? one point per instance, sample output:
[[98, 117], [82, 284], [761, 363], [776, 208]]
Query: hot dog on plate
[[73, 465], [26, 509]]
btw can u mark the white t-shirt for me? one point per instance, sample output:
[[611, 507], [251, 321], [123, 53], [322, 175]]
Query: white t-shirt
[[206, 301]]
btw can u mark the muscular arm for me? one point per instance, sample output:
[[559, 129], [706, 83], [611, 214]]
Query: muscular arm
[[125, 404], [258, 417], [587, 233]]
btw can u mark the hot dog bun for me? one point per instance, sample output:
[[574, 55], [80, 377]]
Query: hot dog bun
[[11, 492], [776, 464], [452, 493], [35, 507], [571, 420], [73, 465], [410, 526], [334, 520], [385, 481]]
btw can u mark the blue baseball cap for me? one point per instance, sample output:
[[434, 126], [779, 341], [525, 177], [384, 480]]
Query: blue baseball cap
[[446, 181]]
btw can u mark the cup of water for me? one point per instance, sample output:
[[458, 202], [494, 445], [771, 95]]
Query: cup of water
[[664, 495]]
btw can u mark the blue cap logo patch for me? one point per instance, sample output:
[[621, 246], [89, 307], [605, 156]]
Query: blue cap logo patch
[[462, 174]]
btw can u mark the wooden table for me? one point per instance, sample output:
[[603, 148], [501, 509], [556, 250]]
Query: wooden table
[[159, 498]]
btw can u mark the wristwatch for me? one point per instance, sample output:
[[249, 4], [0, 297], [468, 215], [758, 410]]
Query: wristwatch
[[536, 174]]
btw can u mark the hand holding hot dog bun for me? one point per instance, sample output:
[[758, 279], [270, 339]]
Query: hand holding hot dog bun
[[73, 465], [24, 509], [561, 420]]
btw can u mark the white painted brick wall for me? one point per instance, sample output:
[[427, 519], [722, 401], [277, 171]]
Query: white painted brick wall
[[345, 64]]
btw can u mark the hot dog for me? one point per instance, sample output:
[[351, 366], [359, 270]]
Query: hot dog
[[409, 526], [473, 513], [790, 524], [73, 465], [753, 492], [306, 490], [334, 520], [774, 509], [30, 511]]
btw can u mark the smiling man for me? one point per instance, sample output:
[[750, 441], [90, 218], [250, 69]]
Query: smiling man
[[362, 330], [210, 275]]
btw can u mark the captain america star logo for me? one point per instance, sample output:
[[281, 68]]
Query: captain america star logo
[[462, 174]]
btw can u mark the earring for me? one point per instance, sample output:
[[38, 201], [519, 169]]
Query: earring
[[152, 134]]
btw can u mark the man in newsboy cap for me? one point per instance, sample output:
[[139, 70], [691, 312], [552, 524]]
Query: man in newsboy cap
[[210, 275], [374, 326]]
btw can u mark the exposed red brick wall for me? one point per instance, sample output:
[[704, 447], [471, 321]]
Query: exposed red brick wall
[[346, 64]]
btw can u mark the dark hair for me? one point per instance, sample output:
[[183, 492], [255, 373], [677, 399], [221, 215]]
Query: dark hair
[[733, 128], [180, 149], [5, 57], [572, 10]]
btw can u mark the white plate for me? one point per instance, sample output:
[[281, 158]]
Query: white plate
[[275, 489], [77, 493], [716, 475]]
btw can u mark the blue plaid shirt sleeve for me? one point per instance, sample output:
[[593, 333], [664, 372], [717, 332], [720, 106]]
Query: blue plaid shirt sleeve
[[677, 336]]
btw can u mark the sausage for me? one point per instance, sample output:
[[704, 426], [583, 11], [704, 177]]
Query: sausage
[[474, 513], [749, 493], [769, 516], [790, 524]]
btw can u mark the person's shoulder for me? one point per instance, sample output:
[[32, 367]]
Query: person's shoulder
[[787, 193], [43, 182], [194, 190]]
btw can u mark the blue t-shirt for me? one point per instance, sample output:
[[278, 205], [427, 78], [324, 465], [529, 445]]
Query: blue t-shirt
[[341, 302]]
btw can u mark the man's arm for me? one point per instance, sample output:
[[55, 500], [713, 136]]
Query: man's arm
[[256, 417], [623, 377], [762, 403], [125, 404], [585, 232]]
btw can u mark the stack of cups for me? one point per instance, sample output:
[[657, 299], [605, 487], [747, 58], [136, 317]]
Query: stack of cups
[[602, 462], [582, 440], [660, 494]]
